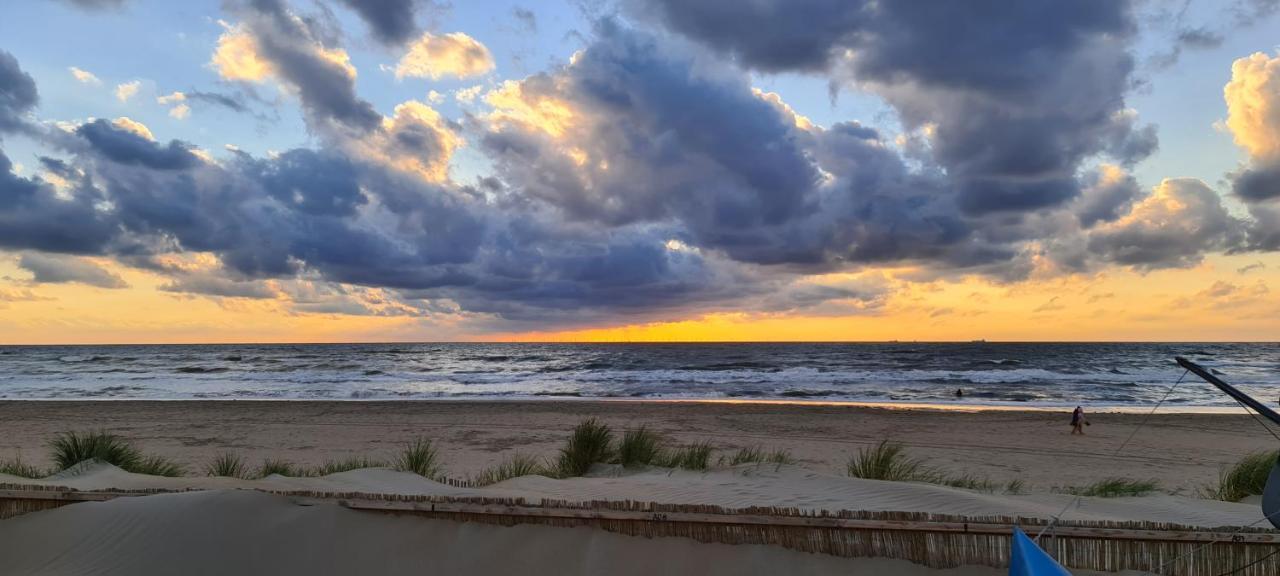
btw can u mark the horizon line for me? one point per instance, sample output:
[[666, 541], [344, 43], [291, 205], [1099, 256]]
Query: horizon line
[[579, 342]]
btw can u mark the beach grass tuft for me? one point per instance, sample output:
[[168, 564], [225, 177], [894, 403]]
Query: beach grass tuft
[[276, 466], [591, 442], [228, 465], [514, 466], [696, 456], [1114, 487], [72, 447], [344, 465], [968, 482], [1245, 478], [640, 447], [16, 467], [158, 466], [758, 455], [889, 461], [420, 457]]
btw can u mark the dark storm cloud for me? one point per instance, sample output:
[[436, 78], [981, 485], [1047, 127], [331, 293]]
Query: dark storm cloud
[[772, 36], [311, 182], [291, 44], [58, 269], [1106, 198], [1018, 94], [667, 141], [1264, 230], [126, 147], [18, 93], [1174, 228], [1258, 182], [33, 217], [673, 189], [391, 21], [211, 285], [533, 268], [709, 135]]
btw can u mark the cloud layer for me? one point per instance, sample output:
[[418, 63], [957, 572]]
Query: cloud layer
[[647, 177]]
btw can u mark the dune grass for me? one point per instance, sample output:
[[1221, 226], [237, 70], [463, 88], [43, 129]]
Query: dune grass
[[420, 457], [344, 465], [514, 466], [70, 448], [1114, 487], [889, 461], [968, 482], [158, 466], [696, 456], [228, 465], [276, 466], [758, 455], [640, 447], [590, 442], [16, 467], [1244, 478]]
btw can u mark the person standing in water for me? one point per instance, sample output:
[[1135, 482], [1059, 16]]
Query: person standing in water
[[1078, 421]]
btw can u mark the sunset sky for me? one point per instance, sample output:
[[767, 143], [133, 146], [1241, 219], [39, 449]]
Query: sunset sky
[[336, 170]]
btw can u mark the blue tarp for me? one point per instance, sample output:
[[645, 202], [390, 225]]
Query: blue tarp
[[1028, 559]]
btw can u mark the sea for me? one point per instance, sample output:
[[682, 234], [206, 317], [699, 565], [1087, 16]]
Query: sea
[[1120, 375]]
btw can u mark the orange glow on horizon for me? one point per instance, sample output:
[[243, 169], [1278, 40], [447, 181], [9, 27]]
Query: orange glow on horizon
[[1212, 302]]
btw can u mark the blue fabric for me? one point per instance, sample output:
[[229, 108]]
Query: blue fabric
[[1027, 559]]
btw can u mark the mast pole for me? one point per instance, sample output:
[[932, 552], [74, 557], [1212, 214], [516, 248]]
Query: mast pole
[[1230, 390]]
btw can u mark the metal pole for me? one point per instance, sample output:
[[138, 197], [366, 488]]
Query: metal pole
[[1230, 390]]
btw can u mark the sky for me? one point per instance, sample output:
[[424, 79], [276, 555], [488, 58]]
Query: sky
[[635, 170]]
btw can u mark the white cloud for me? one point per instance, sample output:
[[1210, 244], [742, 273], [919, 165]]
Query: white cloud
[[174, 98], [236, 57], [180, 109], [131, 125], [1253, 105], [468, 95], [127, 90], [435, 57], [84, 76]]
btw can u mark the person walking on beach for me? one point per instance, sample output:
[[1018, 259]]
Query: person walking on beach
[[1078, 421]]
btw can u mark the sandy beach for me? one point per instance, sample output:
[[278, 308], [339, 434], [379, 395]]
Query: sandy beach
[[269, 533], [1182, 451]]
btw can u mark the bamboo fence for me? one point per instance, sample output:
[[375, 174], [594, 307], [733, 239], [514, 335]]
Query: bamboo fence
[[934, 540]]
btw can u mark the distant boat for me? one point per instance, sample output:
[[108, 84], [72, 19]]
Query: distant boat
[[978, 341]]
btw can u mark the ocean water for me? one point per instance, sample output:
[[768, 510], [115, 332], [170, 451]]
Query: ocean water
[[988, 373]]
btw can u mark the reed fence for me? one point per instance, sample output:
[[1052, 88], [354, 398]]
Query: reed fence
[[934, 540]]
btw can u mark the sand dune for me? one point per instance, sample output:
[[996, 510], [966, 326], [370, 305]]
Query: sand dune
[[243, 532], [737, 487], [228, 531]]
